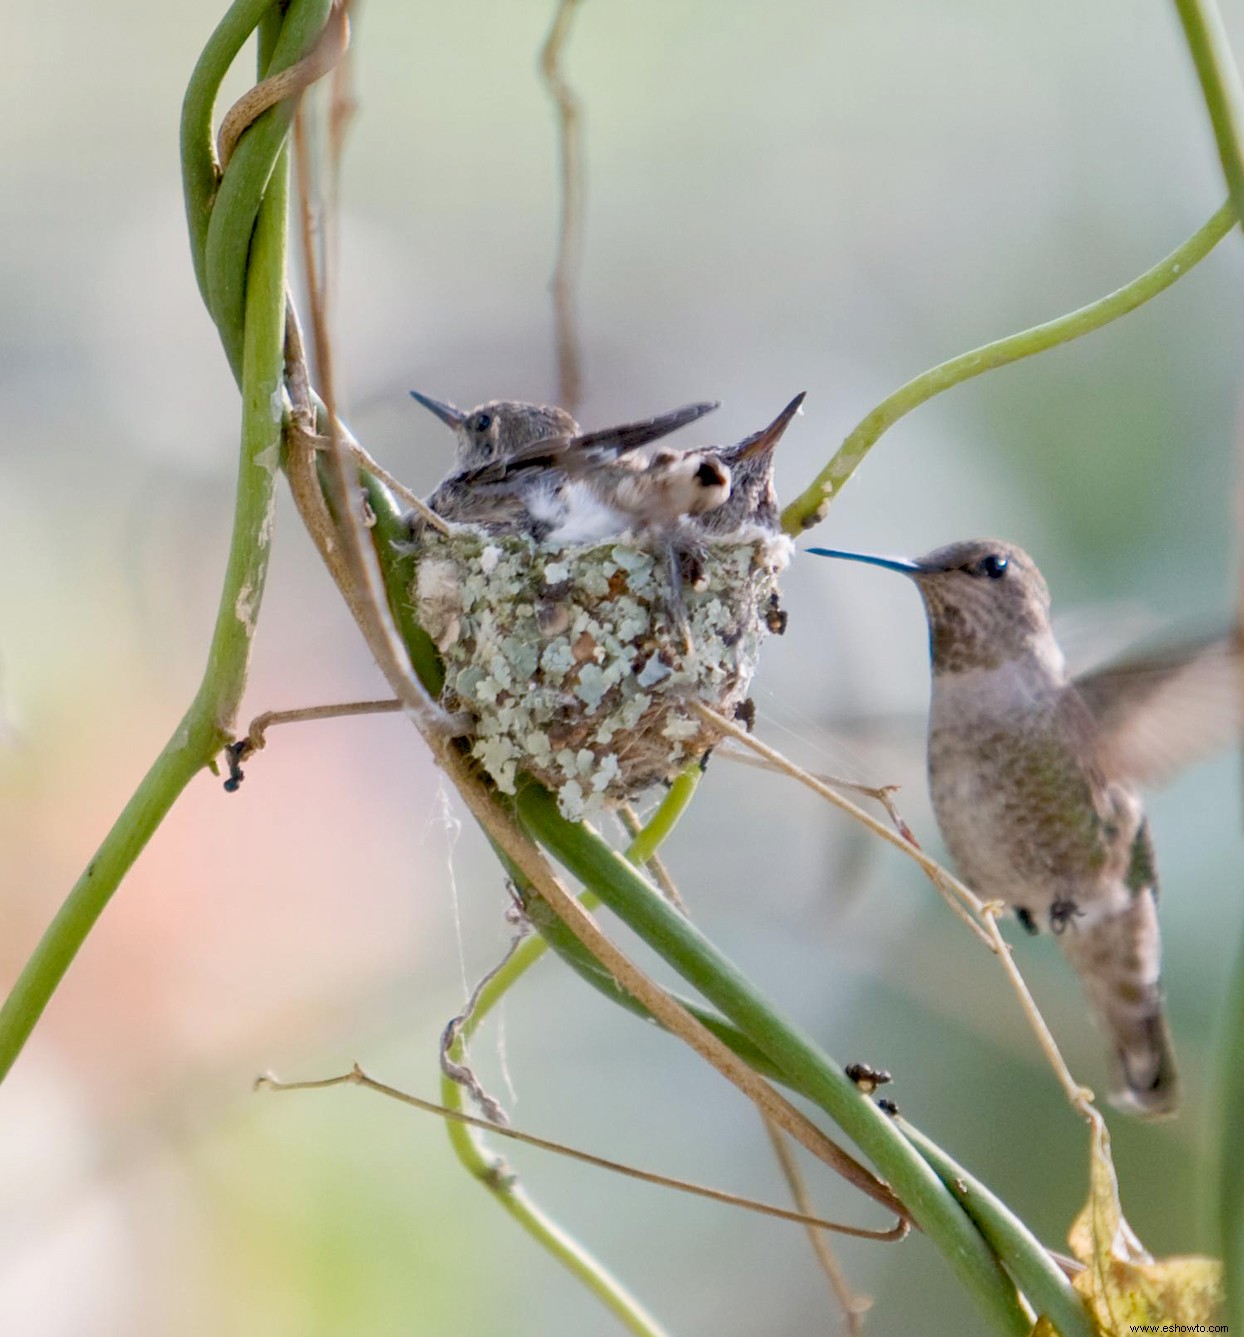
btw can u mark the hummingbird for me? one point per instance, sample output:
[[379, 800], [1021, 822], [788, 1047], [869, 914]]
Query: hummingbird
[[752, 500], [1033, 776], [528, 468], [722, 490]]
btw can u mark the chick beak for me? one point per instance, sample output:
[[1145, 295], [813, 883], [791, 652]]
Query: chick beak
[[449, 415], [768, 437]]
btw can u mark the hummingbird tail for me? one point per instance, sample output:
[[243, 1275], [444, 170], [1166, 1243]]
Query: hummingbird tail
[[1117, 955], [1148, 1085]]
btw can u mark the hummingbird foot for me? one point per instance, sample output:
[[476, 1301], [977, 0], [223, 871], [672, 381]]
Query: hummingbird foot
[[1025, 917], [672, 559]]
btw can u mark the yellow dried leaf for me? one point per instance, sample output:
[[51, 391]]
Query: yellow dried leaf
[[1122, 1284]]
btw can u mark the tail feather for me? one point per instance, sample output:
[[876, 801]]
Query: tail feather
[[1117, 954]]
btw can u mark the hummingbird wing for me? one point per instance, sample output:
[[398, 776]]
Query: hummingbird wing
[[581, 454], [1159, 713], [462, 499], [610, 442]]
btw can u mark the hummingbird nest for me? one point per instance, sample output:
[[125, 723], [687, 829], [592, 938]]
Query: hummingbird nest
[[578, 663]]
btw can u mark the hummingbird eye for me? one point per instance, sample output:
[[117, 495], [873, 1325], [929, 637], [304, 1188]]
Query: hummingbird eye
[[483, 422], [992, 565]]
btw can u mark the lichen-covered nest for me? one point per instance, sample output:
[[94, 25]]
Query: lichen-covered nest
[[577, 664]]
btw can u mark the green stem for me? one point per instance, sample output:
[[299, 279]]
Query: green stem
[[812, 505], [667, 816], [1028, 1262], [491, 1170], [203, 730], [1022, 1254], [1220, 86], [230, 224], [398, 564], [199, 173], [811, 1070], [1228, 1187], [470, 1148]]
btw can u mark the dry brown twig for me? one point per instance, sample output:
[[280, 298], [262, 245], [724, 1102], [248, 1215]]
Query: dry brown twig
[[330, 47], [570, 229], [853, 1306], [357, 1077], [980, 916]]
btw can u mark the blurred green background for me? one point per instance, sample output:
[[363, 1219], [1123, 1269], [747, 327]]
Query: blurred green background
[[801, 195]]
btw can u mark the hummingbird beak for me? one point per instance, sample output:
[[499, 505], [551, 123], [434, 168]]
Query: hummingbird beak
[[767, 438], [449, 415], [902, 564]]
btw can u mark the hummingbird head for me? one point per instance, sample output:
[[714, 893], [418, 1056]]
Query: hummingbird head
[[499, 428], [750, 463], [987, 603]]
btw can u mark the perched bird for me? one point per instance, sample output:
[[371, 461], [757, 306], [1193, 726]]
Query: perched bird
[[515, 461], [1032, 774], [752, 500], [610, 487]]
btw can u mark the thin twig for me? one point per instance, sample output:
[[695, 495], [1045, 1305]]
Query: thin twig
[[256, 735], [1081, 1097], [853, 1306], [398, 488], [332, 44], [255, 738], [570, 230], [956, 895], [883, 794], [332, 541], [357, 1077], [786, 1160], [984, 914], [655, 864], [453, 1038]]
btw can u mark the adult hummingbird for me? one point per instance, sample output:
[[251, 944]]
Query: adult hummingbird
[[515, 464], [1033, 777]]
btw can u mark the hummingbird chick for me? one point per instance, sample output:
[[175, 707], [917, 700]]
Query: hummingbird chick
[[752, 500], [1033, 777], [514, 461], [725, 490]]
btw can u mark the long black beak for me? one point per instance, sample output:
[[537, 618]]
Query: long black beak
[[903, 564], [449, 415], [767, 438]]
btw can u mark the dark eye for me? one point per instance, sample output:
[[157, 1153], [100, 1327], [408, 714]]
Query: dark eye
[[483, 422], [992, 565]]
